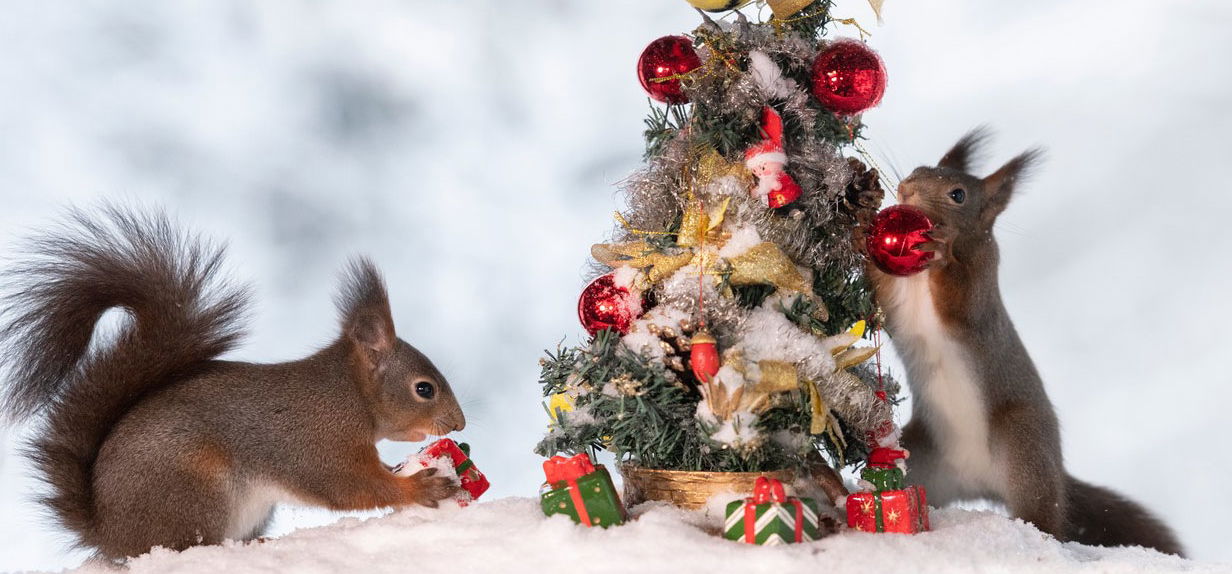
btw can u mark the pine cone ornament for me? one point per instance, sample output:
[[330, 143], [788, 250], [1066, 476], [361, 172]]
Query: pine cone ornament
[[676, 344], [861, 199]]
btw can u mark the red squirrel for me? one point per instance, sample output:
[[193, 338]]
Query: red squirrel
[[149, 440], [983, 426]]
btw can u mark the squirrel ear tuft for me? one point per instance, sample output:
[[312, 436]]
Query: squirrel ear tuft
[[968, 150], [999, 187], [364, 306]]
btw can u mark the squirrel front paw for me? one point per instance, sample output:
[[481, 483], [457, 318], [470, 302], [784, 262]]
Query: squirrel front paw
[[426, 488], [941, 244]]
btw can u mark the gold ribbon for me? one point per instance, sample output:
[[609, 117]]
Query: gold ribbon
[[853, 357], [785, 8], [762, 264], [712, 166], [782, 376], [698, 222], [778, 376], [724, 403], [656, 265], [766, 264]]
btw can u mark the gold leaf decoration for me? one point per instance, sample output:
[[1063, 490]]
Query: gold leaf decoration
[[778, 377]]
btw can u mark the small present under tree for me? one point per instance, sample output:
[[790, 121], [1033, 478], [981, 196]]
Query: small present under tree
[[885, 502], [728, 309]]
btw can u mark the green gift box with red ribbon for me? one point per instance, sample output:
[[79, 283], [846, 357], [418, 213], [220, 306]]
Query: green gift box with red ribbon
[[771, 517], [582, 491]]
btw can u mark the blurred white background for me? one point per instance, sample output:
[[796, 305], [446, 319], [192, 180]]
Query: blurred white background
[[471, 148]]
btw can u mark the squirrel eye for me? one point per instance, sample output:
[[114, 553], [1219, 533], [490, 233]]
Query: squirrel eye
[[958, 195], [425, 389]]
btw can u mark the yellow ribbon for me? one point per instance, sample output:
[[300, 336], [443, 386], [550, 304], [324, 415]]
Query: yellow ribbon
[[557, 404]]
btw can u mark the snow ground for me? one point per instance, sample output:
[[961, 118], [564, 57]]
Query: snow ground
[[471, 148], [511, 535]]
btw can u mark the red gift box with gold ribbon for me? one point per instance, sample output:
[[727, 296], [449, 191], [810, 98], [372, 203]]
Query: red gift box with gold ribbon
[[904, 511]]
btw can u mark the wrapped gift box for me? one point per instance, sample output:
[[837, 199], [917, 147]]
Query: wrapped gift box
[[771, 517], [581, 490], [904, 511], [883, 478], [469, 477], [884, 471], [472, 482]]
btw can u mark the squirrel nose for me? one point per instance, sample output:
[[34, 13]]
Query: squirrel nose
[[905, 191], [458, 421]]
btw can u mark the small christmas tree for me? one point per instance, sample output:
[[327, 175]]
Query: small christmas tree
[[725, 322]]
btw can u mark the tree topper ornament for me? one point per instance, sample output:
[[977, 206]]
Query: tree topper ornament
[[767, 160]]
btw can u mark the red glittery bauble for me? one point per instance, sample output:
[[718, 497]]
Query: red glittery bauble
[[893, 237], [606, 305], [664, 58], [848, 77]]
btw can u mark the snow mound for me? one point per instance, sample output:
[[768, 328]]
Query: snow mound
[[511, 535]]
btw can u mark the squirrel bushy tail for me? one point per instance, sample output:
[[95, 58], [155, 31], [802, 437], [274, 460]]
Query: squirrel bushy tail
[[1100, 517], [179, 316]]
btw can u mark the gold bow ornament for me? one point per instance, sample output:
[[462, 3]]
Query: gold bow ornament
[[697, 244]]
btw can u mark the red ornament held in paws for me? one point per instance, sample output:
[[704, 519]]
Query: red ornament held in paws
[[894, 239]]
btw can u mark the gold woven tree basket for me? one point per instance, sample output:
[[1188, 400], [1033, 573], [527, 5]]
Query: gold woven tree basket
[[692, 489]]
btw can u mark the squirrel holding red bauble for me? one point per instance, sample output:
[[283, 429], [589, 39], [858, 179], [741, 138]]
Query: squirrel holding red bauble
[[149, 440], [982, 425]]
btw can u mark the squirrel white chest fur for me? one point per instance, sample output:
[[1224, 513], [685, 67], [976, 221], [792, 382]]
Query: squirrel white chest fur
[[942, 382]]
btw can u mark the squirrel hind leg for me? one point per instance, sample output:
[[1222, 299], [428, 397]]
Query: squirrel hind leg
[[1033, 481], [162, 499]]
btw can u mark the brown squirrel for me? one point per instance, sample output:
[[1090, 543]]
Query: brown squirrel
[[149, 440], [983, 426]]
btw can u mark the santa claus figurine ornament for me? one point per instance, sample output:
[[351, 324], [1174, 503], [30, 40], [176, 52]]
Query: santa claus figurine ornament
[[767, 160]]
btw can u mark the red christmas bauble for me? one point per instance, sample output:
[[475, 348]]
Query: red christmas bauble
[[704, 356], [606, 305], [667, 57], [893, 237], [848, 77]]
